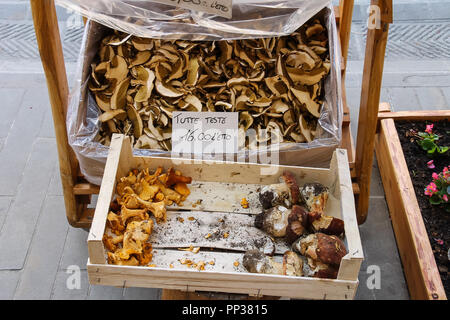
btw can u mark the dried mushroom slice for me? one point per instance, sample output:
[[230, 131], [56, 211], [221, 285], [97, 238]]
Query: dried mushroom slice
[[118, 99], [276, 84]]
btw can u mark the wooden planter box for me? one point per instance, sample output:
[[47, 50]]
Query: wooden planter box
[[223, 277], [419, 265]]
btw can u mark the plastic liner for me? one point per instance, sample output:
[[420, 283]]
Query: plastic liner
[[83, 124], [251, 18]]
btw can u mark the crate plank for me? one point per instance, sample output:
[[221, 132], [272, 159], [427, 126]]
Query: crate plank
[[194, 230]]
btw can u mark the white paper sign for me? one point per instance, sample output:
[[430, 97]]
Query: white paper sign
[[221, 8], [205, 132]]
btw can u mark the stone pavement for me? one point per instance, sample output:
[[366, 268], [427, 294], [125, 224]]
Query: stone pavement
[[39, 248]]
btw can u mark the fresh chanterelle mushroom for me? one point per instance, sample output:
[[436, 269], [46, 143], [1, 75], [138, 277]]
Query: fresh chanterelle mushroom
[[272, 83]]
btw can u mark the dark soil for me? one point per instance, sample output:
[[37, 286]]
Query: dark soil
[[436, 219]]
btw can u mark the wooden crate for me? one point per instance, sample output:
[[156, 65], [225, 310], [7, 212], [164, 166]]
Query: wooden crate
[[223, 276], [419, 265]]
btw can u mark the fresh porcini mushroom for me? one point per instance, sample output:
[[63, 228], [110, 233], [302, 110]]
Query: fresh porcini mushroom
[[319, 222], [297, 223], [256, 261], [284, 193], [323, 251], [274, 221], [292, 264], [315, 196]]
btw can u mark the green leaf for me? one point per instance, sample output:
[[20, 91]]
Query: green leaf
[[435, 200], [442, 149], [428, 145]]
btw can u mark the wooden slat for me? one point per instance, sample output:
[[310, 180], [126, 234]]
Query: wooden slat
[[384, 107], [85, 189], [414, 246], [114, 163], [368, 114], [425, 115]]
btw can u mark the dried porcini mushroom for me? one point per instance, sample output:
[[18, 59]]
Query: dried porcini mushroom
[[273, 83], [140, 195], [285, 193], [256, 261]]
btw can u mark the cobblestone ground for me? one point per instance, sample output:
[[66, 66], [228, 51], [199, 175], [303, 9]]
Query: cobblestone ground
[[39, 248]]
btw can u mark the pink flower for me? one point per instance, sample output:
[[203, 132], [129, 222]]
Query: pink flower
[[446, 172], [430, 164], [430, 189], [435, 176], [439, 241], [445, 198], [429, 128]]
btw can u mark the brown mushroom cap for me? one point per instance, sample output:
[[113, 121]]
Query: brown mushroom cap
[[297, 223], [321, 247], [330, 249], [289, 179], [320, 222]]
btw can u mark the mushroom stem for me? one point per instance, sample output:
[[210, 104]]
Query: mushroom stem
[[285, 193]]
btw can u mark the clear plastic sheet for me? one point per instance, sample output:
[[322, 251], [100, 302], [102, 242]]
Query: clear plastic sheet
[[83, 124], [251, 18]]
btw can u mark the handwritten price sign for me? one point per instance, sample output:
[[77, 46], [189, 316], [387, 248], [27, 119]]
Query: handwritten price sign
[[221, 8], [205, 132]]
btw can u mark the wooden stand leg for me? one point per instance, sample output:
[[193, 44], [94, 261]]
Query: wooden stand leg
[[370, 98], [50, 48]]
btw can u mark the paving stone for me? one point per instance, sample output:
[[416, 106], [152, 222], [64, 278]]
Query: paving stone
[[8, 284], [404, 99], [55, 187], [19, 143], [45, 253], [47, 129], [26, 207], [5, 203], [380, 250], [376, 185], [141, 294], [11, 100], [75, 249], [61, 290], [432, 99], [105, 293], [15, 11]]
